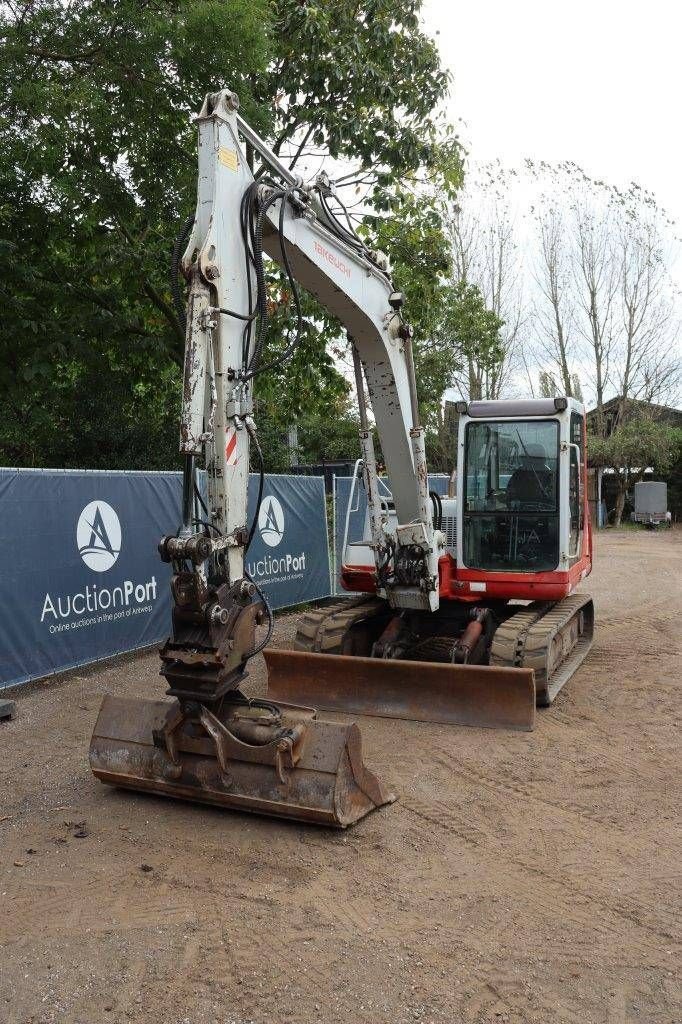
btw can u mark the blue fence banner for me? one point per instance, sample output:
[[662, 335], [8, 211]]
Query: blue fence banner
[[82, 579], [343, 485], [289, 554]]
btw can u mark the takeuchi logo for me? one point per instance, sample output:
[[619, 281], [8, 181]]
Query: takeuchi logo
[[271, 521], [98, 535]]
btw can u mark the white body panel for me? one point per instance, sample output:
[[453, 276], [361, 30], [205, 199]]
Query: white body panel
[[357, 551]]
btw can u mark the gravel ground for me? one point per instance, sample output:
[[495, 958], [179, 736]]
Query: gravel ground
[[519, 878]]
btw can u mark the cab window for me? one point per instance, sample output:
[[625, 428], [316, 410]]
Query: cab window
[[510, 501]]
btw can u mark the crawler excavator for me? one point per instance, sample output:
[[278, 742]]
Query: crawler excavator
[[463, 612]]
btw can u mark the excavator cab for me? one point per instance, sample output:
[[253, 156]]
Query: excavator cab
[[522, 479]]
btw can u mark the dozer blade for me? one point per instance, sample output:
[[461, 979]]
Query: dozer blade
[[329, 784], [422, 691]]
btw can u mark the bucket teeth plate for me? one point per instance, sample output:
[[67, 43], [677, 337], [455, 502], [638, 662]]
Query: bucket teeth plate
[[471, 695], [330, 784]]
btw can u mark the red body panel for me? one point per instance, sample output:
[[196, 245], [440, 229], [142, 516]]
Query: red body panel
[[456, 584], [358, 579], [460, 584]]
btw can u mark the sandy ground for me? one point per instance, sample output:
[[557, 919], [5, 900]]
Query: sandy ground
[[520, 877]]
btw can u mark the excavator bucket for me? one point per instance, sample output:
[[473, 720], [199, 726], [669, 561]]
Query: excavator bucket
[[473, 695], [317, 774]]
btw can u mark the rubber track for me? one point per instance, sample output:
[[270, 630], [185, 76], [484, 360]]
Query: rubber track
[[525, 640], [322, 631]]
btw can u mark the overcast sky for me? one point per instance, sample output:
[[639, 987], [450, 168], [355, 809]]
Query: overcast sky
[[595, 82]]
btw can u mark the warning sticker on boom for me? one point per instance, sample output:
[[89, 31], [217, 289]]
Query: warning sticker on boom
[[228, 158]]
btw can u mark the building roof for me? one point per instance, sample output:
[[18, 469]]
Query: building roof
[[664, 413]]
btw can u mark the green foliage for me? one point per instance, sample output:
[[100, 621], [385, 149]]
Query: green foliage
[[634, 446], [474, 329], [98, 170], [468, 337], [421, 260], [362, 81], [453, 328], [95, 411], [309, 382], [96, 162], [329, 440], [330, 437]]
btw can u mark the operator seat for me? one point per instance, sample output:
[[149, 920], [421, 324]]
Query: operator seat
[[532, 482]]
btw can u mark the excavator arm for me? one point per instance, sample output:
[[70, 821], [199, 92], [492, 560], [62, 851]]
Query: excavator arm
[[237, 220]]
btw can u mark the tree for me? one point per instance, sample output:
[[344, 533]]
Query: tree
[[597, 280], [635, 445], [648, 366], [98, 168], [549, 388], [413, 236], [486, 255], [330, 440], [554, 308], [457, 337], [606, 308], [360, 81], [475, 331], [470, 340]]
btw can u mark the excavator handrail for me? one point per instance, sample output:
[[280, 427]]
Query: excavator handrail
[[349, 511]]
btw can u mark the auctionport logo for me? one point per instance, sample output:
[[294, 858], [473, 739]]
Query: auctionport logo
[[271, 522], [98, 539], [98, 535]]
